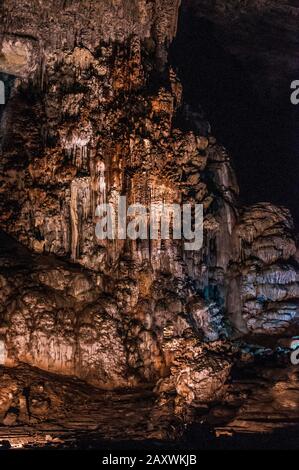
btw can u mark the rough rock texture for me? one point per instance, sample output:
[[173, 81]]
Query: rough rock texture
[[52, 318], [198, 375], [42, 409], [90, 117], [260, 401], [266, 271], [99, 125]]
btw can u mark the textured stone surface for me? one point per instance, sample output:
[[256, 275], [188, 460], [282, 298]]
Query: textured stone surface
[[198, 374], [53, 317], [91, 116], [92, 124], [266, 272], [42, 409]]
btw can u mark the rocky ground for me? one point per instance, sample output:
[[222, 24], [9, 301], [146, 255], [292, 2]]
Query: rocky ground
[[45, 410]]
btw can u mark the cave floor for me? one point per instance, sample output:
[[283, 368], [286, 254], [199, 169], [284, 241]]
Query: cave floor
[[260, 410], [77, 412]]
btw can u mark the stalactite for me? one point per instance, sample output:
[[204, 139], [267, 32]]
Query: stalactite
[[102, 183], [74, 221]]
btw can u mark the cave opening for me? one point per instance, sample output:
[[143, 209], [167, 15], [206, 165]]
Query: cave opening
[[260, 129]]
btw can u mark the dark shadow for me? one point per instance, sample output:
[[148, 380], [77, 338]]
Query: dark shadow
[[261, 135]]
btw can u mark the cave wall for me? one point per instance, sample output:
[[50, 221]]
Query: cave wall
[[91, 116]]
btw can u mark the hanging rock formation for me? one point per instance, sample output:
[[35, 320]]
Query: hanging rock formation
[[266, 271]]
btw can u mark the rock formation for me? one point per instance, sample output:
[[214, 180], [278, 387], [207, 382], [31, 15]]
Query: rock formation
[[267, 272], [91, 117]]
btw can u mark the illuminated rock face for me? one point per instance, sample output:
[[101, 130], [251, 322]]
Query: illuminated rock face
[[266, 273], [91, 117]]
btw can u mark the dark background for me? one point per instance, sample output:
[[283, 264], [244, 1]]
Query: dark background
[[246, 99]]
